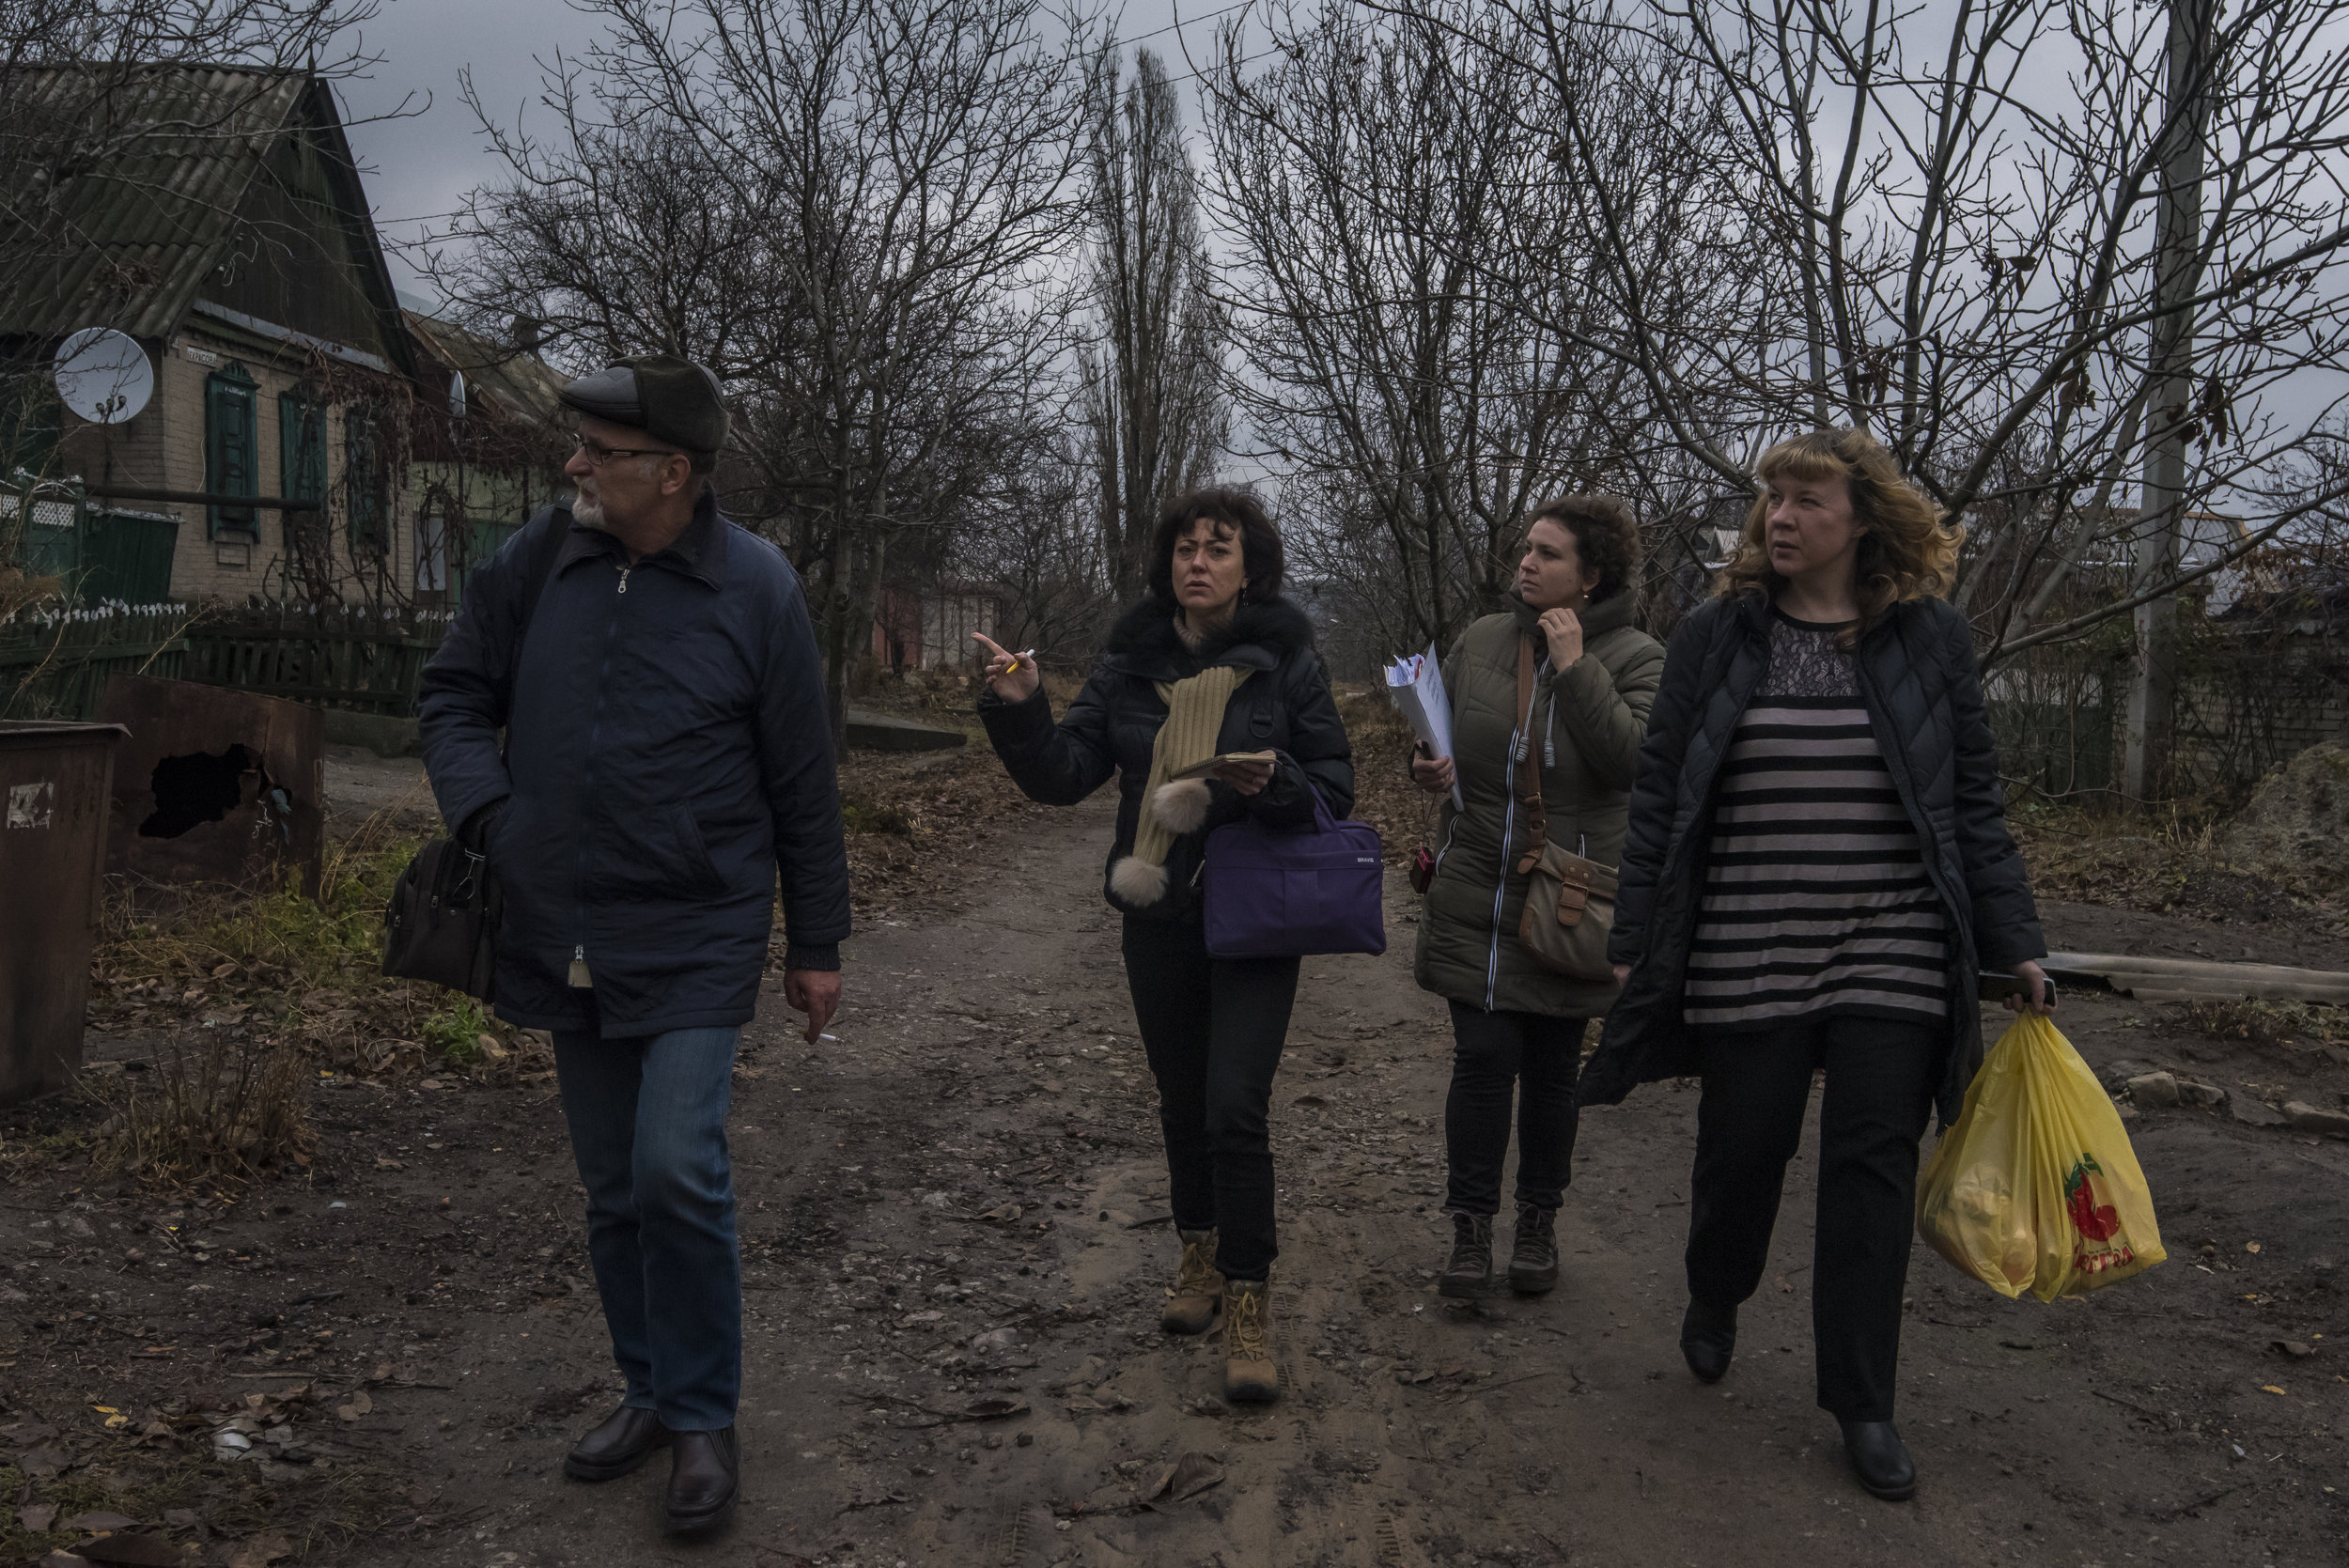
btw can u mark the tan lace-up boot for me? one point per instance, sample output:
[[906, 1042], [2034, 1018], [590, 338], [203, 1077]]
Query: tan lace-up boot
[[1198, 1289], [1249, 1369]]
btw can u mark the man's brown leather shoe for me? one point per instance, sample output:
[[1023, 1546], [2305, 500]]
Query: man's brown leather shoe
[[619, 1447], [704, 1474]]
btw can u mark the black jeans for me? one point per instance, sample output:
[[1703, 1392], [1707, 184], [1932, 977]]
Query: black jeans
[[1492, 1054], [1213, 1028], [1880, 1075]]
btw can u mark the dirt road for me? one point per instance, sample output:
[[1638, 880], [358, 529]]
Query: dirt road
[[958, 1208], [961, 1202]]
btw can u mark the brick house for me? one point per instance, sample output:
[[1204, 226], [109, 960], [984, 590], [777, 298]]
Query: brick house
[[232, 241]]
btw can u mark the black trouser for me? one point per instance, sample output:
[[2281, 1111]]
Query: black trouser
[[1213, 1028], [1492, 1054], [1879, 1088]]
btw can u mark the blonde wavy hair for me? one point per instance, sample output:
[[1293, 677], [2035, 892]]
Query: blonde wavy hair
[[1907, 550]]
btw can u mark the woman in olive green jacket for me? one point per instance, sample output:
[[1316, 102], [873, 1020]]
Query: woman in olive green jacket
[[1514, 1023]]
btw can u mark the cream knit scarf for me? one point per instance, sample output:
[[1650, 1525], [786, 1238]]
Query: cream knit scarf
[[1171, 806]]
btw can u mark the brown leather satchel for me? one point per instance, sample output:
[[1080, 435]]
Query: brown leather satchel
[[1569, 900]]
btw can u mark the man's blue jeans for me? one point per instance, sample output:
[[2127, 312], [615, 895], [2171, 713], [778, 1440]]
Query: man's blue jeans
[[648, 1118]]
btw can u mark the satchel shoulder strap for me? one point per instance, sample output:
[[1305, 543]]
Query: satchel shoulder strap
[[1529, 766]]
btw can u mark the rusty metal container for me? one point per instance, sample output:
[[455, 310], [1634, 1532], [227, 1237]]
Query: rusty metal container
[[55, 780], [216, 784]]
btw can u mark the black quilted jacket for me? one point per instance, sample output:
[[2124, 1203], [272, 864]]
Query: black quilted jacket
[[1923, 695]]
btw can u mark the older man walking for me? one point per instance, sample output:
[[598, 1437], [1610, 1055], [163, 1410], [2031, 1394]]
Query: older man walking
[[666, 752]]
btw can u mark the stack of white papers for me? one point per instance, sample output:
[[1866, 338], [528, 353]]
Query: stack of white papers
[[1415, 685]]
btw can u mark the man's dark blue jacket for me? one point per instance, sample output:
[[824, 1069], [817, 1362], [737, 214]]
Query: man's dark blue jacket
[[667, 749]]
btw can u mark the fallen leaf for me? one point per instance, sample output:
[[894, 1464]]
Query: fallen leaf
[[2293, 1348], [2250, 1246], [994, 1409], [360, 1404], [98, 1519], [260, 1552], [131, 1551], [2270, 1388], [1188, 1476], [37, 1517], [44, 1461]]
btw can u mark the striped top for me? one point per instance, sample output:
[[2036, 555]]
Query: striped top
[[1816, 900]]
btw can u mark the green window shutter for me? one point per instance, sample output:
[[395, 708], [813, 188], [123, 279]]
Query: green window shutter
[[232, 459], [301, 447], [367, 485]]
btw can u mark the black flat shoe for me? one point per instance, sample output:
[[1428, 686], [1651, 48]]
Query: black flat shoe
[[1880, 1459], [1708, 1337], [618, 1447], [705, 1477]]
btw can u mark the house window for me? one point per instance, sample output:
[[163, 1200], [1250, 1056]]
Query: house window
[[366, 484], [301, 447], [232, 450]]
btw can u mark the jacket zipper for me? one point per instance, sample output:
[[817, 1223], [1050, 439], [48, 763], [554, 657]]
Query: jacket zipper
[[1522, 734], [588, 776]]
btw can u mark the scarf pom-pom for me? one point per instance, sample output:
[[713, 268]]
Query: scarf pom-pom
[[1138, 882], [1181, 805]]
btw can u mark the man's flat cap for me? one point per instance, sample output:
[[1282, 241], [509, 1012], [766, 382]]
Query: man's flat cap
[[669, 399]]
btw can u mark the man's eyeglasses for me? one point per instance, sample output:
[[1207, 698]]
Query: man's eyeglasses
[[598, 454]]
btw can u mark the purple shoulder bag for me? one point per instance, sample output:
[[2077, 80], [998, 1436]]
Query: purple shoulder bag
[[1289, 893]]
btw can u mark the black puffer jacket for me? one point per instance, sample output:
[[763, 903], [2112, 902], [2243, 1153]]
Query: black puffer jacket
[[1923, 695], [1115, 722]]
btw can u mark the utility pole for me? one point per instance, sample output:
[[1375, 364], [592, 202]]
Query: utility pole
[[2169, 385]]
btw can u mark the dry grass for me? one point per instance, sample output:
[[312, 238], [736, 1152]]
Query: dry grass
[[2266, 1023], [280, 969], [221, 1112], [2165, 863]]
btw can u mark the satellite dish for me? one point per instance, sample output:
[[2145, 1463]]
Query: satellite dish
[[103, 375], [457, 396]]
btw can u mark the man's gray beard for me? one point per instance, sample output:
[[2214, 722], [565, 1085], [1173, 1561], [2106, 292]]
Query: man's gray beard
[[587, 510]]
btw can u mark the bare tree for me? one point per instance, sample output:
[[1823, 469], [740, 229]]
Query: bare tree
[[910, 166], [1154, 383], [1948, 229], [1414, 298]]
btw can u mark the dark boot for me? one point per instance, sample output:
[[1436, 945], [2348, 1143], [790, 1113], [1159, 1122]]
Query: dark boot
[[1708, 1337], [1533, 1260], [1470, 1271], [618, 1447], [1880, 1459], [704, 1475]]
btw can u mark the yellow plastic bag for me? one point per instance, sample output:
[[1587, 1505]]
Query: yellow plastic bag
[[2035, 1188]]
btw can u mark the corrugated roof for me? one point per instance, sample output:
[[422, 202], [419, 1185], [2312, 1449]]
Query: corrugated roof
[[134, 241], [520, 384]]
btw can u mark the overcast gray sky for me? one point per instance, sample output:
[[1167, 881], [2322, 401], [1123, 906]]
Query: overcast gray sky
[[419, 166]]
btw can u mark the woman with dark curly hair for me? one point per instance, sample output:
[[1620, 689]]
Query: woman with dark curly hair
[[1556, 687], [1818, 869], [1212, 661]]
